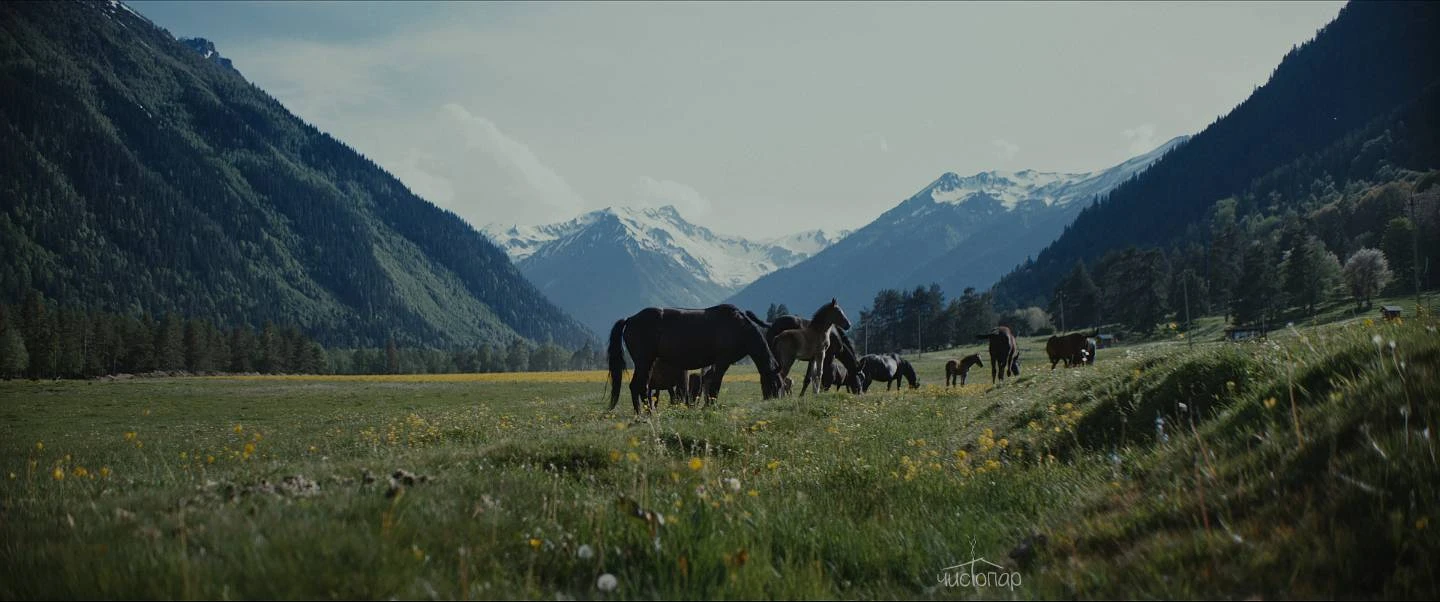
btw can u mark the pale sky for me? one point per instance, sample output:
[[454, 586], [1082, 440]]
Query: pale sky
[[758, 119]]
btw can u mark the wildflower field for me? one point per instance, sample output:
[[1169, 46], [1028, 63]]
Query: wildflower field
[[1302, 466]]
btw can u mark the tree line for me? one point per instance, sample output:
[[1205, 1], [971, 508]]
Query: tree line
[[40, 338]]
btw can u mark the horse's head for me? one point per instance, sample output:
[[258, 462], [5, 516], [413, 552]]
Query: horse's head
[[830, 314], [908, 371]]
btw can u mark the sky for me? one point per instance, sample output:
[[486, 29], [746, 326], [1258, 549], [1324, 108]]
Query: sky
[[756, 119]]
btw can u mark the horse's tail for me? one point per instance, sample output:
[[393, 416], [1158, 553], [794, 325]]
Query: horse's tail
[[617, 361]]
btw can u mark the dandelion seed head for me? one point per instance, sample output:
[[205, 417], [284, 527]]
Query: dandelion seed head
[[607, 583]]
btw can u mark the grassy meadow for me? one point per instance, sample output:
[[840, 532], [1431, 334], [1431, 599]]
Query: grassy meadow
[[1301, 466]]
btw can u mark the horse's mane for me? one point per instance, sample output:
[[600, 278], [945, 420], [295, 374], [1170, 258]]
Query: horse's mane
[[816, 318]]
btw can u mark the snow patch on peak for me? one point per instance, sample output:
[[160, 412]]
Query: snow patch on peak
[[1030, 186], [728, 261]]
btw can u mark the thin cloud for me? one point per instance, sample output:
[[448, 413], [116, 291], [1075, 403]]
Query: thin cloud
[[1005, 149], [651, 192], [530, 179], [1142, 138]]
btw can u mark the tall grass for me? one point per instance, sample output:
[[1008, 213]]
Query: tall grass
[[523, 487]]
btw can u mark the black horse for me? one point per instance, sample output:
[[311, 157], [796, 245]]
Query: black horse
[[841, 350], [888, 367], [688, 339], [1004, 354]]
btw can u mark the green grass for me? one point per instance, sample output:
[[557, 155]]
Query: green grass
[[830, 496]]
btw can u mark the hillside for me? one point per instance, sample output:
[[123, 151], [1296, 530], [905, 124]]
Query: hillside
[[139, 175], [1354, 106], [643, 258], [958, 231]]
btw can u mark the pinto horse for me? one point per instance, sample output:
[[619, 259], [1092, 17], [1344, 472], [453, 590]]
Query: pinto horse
[[957, 370], [810, 343], [1004, 355], [688, 339], [888, 368]]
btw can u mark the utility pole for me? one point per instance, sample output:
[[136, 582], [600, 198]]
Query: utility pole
[[1062, 312], [1415, 249], [1185, 284]]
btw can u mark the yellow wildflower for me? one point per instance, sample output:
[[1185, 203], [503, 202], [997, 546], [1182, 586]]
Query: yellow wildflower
[[239, 429], [535, 543], [1269, 402], [754, 493], [696, 464], [58, 474], [39, 446], [104, 472], [773, 465]]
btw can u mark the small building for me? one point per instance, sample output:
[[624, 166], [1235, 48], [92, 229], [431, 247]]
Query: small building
[[1244, 334], [1390, 312]]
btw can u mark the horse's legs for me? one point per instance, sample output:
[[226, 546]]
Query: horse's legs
[[716, 376], [640, 381]]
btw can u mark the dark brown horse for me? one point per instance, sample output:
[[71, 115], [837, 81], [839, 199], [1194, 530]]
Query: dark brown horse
[[1068, 349], [688, 339], [1004, 355], [961, 368], [810, 343], [668, 378]]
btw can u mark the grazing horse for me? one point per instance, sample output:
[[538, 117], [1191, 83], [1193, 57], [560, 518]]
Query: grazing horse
[[687, 339], [838, 374], [810, 343], [1004, 355], [841, 349], [888, 368], [961, 368], [1073, 349]]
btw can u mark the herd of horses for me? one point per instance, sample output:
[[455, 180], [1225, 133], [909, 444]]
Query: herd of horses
[[667, 344]]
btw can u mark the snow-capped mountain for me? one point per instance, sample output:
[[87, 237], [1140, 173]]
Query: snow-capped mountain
[[608, 264], [958, 231]]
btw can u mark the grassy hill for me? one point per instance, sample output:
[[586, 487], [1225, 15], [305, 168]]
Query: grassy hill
[[1299, 466]]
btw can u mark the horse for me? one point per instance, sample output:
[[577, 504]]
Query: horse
[[688, 339], [841, 349], [888, 368], [961, 368], [1004, 355], [810, 342], [1073, 349], [664, 377]]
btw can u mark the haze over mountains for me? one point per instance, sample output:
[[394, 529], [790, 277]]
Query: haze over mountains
[[958, 231], [143, 174]]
